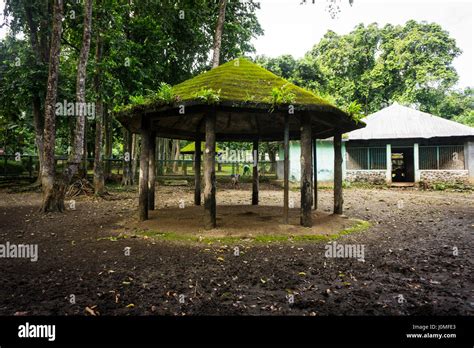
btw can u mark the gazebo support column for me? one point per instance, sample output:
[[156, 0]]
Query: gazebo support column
[[286, 169], [338, 199], [255, 174], [210, 173], [143, 179], [152, 172], [306, 174], [315, 174], [197, 171]]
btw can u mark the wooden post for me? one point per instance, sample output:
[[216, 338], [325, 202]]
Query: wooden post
[[306, 173], [416, 159], [210, 172], [197, 171], [255, 184], [388, 173], [152, 172], [143, 178], [338, 199], [286, 169], [315, 173]]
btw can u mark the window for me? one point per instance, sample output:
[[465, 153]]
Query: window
[[442, 157], [366, 158]]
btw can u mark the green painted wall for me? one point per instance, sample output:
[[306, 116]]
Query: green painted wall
[[325, 155]]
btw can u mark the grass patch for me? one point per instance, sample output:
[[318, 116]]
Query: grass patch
[[359, 226], [116, 187], [178, 237], [365, 185], [446, 186]]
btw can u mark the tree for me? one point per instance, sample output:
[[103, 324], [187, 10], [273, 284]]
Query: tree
[[143, 44], [33, 18], [374, 66], [16, 79], [99, 180], [218, 34], [53, 192], [457, 105], [77, 152], [284, 66], [417, 61]]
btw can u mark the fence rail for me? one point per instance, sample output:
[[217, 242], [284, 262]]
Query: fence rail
[[27, 166]]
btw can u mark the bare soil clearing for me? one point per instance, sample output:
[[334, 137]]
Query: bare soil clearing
[[409, 251], [245, 221]]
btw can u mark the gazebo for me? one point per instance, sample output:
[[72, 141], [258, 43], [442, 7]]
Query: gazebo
[[239, 101]]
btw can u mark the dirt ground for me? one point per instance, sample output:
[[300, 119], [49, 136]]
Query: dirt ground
[[418, 259], [244, 221]]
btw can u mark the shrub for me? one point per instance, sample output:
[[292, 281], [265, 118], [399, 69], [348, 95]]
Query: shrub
[[354, 109], [138, 99], [280, 96], [166, 94], [209, 96]]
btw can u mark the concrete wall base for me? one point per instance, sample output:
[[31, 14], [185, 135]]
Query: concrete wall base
[[369, 176], [451, 176]]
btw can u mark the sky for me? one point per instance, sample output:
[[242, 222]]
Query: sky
[[292, 28]]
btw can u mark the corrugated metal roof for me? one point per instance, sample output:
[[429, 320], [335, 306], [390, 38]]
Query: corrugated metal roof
[[397, 121]]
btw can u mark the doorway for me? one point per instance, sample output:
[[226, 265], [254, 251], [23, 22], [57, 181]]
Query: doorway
[[403, 169]]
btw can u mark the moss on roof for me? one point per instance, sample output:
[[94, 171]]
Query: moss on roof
[[239, 81]]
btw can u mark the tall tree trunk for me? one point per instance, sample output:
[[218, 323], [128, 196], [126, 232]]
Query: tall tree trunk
[[169, 155], [72, 125], [176, 153], [210, 172], [255, 179], [286, 169], [53, 192], [127, 160], [151, 171], [160, 164], [218, 33], [40, 48], [197, 171], [135, 152], [143, 180], [306, 184], [38, 120], [108, 143], [272, 156], [99, 181], [338, 197], [78, 152], [85, 153]]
